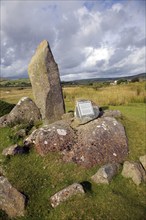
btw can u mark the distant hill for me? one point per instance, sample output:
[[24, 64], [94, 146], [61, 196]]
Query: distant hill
[[141, 76], [25, 82], [4, 82]]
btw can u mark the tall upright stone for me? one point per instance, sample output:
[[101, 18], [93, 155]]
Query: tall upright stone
[[44, 76]]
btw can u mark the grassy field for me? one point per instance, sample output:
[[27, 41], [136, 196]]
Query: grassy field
[[39, 178]]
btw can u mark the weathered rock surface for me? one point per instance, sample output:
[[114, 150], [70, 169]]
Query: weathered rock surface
[[25, 111], [68, 116], [13, 150], [100, 142], [134, 171], [2, 172], [11, 201], [54, 137], [31, 138], [66, 193], [105, 174], [44, 76], [21, 133], [143, 161]]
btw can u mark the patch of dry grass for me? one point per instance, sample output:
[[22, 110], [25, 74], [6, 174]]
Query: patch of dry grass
[[14, 94], [111, 95]]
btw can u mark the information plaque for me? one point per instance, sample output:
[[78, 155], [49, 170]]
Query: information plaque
[[85, 108]]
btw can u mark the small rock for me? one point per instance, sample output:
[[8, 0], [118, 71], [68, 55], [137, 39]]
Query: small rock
[[66, 193], [105, 173], [11, 201], [134, 171], [143, 161], [10, 150], [13, 150], [21, 133]]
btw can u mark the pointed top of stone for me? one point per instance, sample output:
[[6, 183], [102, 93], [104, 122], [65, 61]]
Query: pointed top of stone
[[43, 45], [43, 49]]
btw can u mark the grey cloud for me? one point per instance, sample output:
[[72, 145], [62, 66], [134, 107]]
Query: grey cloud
[[130, 37], [25, 24], [113, 21], [118, 55]]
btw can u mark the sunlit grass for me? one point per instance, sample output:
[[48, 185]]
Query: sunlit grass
[[40, 177], [111, 95]]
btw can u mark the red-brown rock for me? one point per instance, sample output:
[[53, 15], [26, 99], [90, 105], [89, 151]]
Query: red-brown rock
[[100, 142], [54, 137]]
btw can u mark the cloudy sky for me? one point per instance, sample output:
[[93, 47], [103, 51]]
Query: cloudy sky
[[100, 38]]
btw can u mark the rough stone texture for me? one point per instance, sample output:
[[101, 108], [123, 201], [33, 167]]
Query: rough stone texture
[[25, 111], [2, 172], [21, 133], [112, 113], [85, 119], [105, 174], [13, 150], [134, 171], [31, 138], [143, 161], [100, 142], [11, 201], [66, 193], [68, 116], [10, 150], [44, 76], [54, 137]]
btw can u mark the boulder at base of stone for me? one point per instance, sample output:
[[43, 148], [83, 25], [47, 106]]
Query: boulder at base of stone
[[143, 161], [25, 111], [105, 174], [54, 137], [100, 142], [66, 193], [134, 171], [11, 201], [46, 87]]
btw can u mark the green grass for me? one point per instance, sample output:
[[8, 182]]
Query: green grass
[[135, 125], [5, 107], [40, 177]]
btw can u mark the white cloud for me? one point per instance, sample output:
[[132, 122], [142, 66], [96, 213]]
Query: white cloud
[[96, 54], [117, 7], [88, 39]]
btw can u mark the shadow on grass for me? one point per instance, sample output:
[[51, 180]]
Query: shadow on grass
[[87, 186]]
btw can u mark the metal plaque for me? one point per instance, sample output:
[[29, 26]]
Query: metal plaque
[[85, 108]]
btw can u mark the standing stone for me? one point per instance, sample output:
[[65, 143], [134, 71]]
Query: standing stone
[[44, 76]]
